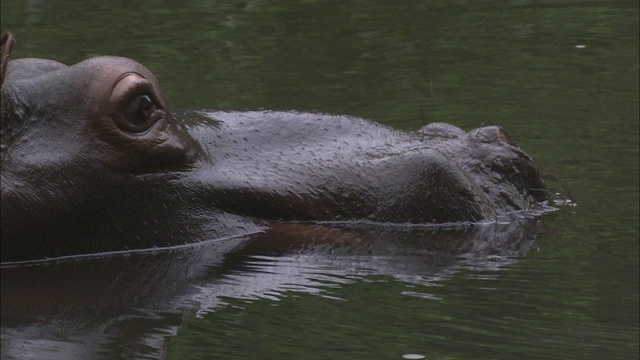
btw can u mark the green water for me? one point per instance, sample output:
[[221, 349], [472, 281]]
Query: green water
[[560, 76]]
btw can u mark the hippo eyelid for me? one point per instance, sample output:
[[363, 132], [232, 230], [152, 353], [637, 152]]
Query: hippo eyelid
[[130, 85], [128, 74], [131, 89]]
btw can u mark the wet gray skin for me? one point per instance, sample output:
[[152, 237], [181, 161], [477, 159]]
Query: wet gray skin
[[93, 161]]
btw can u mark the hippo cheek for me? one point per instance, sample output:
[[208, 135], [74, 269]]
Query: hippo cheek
[[164, 147]]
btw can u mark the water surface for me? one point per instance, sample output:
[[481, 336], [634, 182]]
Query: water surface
[[560, 76]]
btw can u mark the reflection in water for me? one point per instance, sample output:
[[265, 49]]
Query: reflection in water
[[131, 305]]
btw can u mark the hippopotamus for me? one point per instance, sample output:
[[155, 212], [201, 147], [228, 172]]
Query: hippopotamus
[[94, 161]]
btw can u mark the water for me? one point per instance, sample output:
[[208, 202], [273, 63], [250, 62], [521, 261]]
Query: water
[[560, 76]]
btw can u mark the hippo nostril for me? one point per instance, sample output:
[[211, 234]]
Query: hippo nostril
[[493, 135], [506, 138]]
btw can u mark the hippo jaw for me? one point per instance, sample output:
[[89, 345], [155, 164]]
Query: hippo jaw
[[351, 169]]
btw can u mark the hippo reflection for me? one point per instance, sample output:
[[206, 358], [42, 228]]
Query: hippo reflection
[[139, 305], [93, 161]]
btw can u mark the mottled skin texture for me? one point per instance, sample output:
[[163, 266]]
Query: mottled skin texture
[[92, 161]]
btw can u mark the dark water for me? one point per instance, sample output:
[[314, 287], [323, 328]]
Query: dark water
[[560, 76]]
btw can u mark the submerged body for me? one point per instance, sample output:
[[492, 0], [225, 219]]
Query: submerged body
[[92, 161]]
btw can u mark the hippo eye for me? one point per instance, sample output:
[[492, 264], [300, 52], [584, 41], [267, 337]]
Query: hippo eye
[[139, 113], [136, 104], [139, 110]]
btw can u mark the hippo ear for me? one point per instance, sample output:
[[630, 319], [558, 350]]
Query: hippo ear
[[6, 45]]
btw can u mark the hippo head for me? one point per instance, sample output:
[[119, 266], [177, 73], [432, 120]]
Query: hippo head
[[93, 161]]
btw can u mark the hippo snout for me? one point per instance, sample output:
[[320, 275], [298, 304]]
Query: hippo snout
[[512, 173]]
